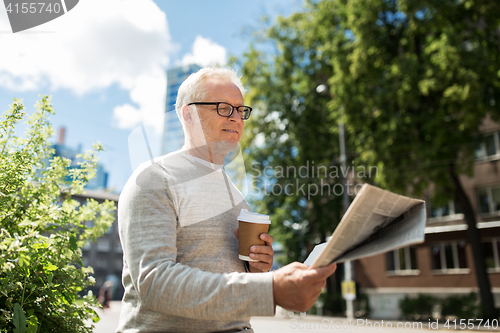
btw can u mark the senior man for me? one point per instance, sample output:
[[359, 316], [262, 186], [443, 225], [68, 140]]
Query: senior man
[[177, 220]]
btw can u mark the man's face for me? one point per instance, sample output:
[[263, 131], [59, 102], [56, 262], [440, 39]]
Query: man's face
[[221, 132]]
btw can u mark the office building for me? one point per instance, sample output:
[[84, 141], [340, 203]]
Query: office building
[[173, 135], [105, 255], [99, 182], [443, 265]]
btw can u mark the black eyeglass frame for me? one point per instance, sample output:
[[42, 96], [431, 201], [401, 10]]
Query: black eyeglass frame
[[232, 108]]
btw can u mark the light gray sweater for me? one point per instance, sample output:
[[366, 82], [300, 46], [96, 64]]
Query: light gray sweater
[[181, 270]]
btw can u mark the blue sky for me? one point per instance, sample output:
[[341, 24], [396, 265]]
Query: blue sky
[[104, 64]]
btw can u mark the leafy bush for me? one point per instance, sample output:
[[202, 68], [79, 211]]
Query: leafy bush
[[464, 307], [362, 305], [42, 229], [421, 307], [333, 304], [417, 308]]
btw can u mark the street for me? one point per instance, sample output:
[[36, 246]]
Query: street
[[295, 324]]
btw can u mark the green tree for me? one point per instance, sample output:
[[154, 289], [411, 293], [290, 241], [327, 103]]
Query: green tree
[[287, 127], [412, 81], [42, 229], [289, 143]]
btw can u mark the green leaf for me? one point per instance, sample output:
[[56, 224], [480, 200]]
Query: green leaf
[[49, 267], [72, 242], [32, 324], [80, 262], [95, 317], [24, 260], [19, 319]]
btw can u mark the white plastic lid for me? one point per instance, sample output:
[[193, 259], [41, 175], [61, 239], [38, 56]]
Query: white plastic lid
[[247, 216]]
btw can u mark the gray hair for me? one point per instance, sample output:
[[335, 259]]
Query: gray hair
[[193, 89]]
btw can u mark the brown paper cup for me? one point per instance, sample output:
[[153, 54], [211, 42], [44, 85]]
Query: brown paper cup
[[250, 231]]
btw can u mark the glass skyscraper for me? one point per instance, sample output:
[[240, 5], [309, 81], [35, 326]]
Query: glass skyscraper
[[173, 136]]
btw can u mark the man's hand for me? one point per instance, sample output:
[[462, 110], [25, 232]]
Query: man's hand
[[263, 253], [296, 286]]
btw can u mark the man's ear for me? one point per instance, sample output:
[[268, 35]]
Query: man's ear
[[187, 115]]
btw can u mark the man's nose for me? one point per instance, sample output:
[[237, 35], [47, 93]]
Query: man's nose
[[236, 116]]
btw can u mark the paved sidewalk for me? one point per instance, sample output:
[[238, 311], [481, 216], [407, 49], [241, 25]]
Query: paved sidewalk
[[295, 324], [109, 318]]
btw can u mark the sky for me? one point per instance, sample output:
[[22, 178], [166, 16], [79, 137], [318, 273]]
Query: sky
[[105, 61]]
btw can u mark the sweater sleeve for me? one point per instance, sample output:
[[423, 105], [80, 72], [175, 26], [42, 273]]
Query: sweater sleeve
[[147, 225]]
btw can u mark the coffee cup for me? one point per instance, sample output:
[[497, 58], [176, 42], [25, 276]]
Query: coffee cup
[[251, 226]]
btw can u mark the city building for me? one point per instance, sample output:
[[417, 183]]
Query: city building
[[443, 265], [105, 255], [173, 135], [99, 182]]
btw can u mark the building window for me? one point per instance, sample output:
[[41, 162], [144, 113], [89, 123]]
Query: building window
[[489, 147], [87, 246], [449, 257], [118, 247], [99, 281], [489, 199], [451, 208], [101, 263], [402, 261], [103, 244], [119, 264], [491, 254], [449, 212]]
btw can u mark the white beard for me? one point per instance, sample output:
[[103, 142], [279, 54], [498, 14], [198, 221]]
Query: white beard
[[222, 147]]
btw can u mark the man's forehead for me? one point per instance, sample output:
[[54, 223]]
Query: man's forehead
[[222, 86], [214, 81]]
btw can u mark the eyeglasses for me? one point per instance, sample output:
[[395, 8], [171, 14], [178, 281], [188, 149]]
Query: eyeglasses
[[226, 109]]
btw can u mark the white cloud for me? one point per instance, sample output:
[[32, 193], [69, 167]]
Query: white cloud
[[127, 116], [94, 46], [148, 93], [205, 53]]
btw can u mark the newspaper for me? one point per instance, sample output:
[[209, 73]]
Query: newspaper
[[377, 221]]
